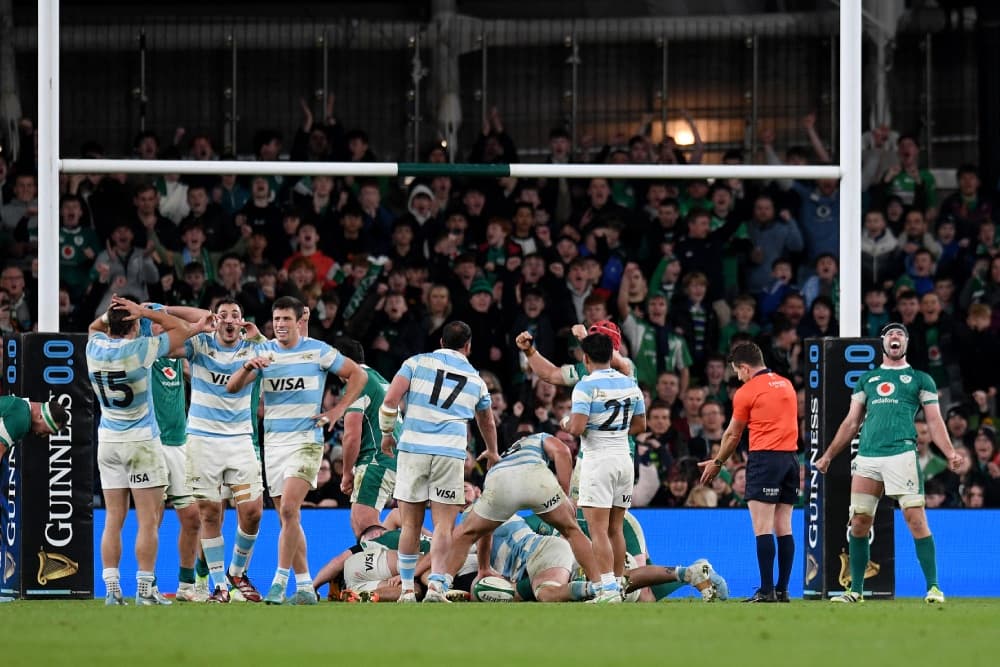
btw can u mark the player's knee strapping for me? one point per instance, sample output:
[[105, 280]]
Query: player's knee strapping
[[863, 504], [180, 502], [545, 584], [243, 493], [911, 500]]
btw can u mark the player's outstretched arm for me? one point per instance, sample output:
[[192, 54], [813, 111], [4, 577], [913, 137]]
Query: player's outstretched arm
[[487, 426], [561, 458], [939, 434], [539, 365], [730, 440], [845, 433]]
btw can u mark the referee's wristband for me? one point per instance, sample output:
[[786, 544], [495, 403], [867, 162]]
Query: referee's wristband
[[530, 351], [719, 462]]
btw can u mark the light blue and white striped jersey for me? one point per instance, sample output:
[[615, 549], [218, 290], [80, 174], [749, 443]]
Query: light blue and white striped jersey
[[293, 390], [609, 399], [445, 393], [119, 373], [513, 543], [214, 412], [529, 450]]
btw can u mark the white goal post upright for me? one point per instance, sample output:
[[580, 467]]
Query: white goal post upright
[[848, 171], [849, 156], [48, 165]]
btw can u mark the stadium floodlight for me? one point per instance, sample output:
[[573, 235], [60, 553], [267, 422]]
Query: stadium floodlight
[[848, 170]]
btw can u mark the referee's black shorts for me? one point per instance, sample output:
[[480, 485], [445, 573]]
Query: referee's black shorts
[[773, 477]]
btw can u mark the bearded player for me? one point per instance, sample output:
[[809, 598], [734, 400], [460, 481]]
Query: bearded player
[[884, 403]]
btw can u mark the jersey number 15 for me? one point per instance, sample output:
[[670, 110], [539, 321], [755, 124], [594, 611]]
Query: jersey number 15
[[112, 381]]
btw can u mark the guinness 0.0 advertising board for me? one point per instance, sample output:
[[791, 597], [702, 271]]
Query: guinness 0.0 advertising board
[[833, 366], [47, 486]]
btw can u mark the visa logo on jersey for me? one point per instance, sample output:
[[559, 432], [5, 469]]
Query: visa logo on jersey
[[285, 384], [220, 379]]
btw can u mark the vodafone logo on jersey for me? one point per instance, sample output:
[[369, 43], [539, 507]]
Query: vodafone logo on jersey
[[169, 373], [885, 389]]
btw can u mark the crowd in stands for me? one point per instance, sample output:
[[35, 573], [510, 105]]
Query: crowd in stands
[[687, 268]]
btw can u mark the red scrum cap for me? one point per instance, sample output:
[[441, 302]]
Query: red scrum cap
[[609, 329]]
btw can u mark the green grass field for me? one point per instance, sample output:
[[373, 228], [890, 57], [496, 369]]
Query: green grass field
[[904, 632]]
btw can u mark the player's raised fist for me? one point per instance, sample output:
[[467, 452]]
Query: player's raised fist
[[524, 340]]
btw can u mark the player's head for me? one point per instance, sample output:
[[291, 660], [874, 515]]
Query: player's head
[[372, 532], [457, 336], [609, 329], [351, 349], [48, 418], [597, 349], [228, 313], [745, 358], [118, 326], [895, 338], [285, 315]]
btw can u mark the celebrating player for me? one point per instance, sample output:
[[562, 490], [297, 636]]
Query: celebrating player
[[886, 400], [369, 475], [442, 393], [129, 454], [293, 370], [221, 429], [767, 403], [607, 408]]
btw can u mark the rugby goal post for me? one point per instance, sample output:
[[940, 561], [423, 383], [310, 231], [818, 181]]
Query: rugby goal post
[[848, 170]]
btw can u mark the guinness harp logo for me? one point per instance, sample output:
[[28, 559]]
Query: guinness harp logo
[[812, 567], [54, 566], [9, 566], [871, 570]]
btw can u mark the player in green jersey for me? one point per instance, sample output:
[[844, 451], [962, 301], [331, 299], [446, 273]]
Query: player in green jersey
[[654, 582], [369, 570], [19, 416], [167, 386], [883, 405], [369, 475]]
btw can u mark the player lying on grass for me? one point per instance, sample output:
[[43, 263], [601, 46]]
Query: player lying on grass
[[539, 566], [655, 582], [369, 570]]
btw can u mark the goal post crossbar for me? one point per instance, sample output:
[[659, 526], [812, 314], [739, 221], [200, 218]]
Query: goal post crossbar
[[394, 169]]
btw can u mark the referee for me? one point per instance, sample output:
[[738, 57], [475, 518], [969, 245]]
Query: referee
[[767, 403]]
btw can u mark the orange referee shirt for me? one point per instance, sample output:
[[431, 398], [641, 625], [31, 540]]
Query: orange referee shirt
[[767, 403]]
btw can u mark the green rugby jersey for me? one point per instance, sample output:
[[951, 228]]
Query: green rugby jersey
[[15, 419], [390, 540], [892, 397], [368, 403], [634, 543], [167, 376]]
